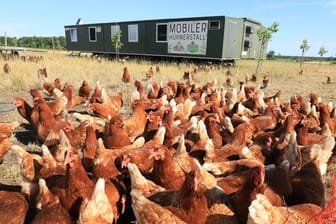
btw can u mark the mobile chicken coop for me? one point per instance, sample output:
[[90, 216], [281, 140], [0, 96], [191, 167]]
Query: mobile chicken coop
[[216, 38]]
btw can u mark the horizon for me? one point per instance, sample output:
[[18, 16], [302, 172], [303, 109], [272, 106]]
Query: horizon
[[38, 19], [275, 55]]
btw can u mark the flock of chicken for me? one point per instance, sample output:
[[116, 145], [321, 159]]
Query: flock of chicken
[[188, 153]]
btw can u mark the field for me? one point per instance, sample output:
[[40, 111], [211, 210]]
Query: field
[[284, 76]]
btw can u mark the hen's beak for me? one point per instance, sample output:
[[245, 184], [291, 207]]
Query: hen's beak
[[68, 158], [196, 180], [155, 153], [125, 161]]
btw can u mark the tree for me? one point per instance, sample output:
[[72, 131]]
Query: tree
[[270, 55], [265, 35], [322, 52], [57, 43], [35, 42], [304, 47], [117, 43]]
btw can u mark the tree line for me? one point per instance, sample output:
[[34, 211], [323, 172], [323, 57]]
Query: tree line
[[35, 42]]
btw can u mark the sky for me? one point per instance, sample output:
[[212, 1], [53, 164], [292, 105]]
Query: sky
[[313, 20]]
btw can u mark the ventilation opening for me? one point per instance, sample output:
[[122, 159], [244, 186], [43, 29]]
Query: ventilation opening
[[247, 45], [214, 25]]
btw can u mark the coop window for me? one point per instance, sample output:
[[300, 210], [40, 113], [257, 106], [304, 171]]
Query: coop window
[[248, 31], [92, 34], [73, 34], [114, 30], [247, 45], [214, 25], [161, 32], [133, 33]]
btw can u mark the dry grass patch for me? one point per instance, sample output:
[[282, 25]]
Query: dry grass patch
[[283, 74]]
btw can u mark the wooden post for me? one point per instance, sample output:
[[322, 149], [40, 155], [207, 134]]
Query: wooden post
[[6, 53], [53, 45], [5, 39]]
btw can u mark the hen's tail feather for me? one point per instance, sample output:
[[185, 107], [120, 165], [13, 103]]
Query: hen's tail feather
[[53, 138], [259, 210], [139, 182], [328, 214], [146, 211]]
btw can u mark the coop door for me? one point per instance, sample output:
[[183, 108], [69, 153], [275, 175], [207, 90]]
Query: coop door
[[232, 40]]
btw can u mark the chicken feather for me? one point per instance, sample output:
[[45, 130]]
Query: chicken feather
[[149, 212], [140, 183], [262, 211], [98, 209]]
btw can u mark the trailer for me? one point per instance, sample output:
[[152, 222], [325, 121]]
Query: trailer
[[215, 38]]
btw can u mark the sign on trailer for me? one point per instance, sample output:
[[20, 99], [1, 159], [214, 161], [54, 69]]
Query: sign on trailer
[[188, 37]]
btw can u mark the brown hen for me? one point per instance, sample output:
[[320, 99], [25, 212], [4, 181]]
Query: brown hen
[[44, 121], [101, 110], [76, 135], [115, 134], [13, 207], [135, 125], [126, 77], [6, 68], [96, 97], [262, 211], [191, 204], [98, 209], [49, 207], [84, 90], [167, 172], [6, 130], [24, 108], [147, 211], [115, 101], [78, 187]]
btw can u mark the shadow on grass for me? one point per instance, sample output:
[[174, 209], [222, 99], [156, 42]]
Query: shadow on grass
[[26, 134]]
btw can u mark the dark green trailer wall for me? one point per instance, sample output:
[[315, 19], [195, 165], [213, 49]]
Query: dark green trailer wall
[[215, 41], [128, 47], [83, 43], [152, 46]]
